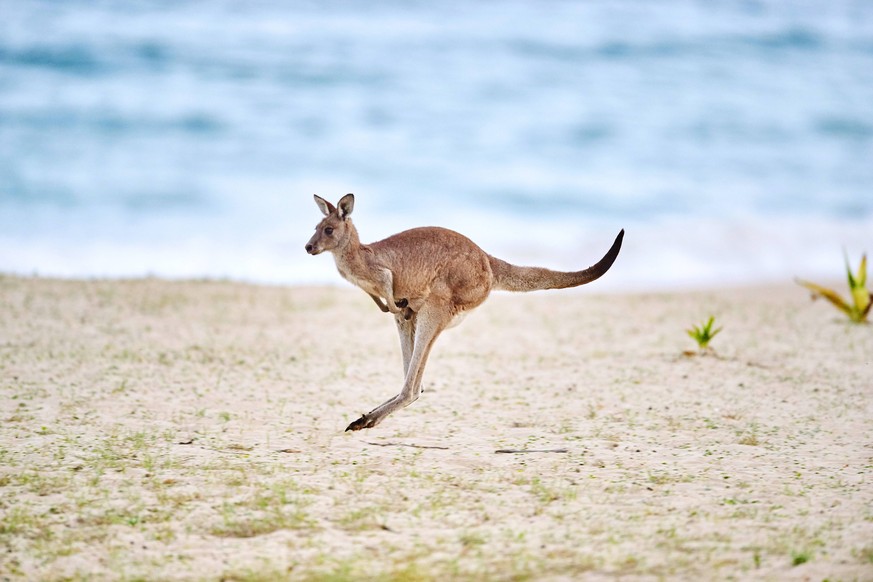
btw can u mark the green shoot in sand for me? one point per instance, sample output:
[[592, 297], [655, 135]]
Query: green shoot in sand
[[703, 333], [862, 299]]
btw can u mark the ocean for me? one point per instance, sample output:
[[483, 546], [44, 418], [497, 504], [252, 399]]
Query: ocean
[[733, 140]]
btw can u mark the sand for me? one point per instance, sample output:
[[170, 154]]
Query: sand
[[194, 431]]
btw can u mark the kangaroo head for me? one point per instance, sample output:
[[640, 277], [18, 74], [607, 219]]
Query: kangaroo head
[[335, 229]]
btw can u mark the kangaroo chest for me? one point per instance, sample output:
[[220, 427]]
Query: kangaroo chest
[[357, 275]]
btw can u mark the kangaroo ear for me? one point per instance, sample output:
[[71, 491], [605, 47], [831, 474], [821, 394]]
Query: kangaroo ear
[[346, 205], [323, 205]]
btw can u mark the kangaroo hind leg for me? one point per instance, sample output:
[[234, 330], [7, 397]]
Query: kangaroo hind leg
[[429, 323], [406, 331]]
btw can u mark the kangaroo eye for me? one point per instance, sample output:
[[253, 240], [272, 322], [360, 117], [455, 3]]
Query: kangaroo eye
[[328, 231]]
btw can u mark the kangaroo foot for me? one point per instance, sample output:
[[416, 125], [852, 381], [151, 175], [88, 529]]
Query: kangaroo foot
[[363, 422]]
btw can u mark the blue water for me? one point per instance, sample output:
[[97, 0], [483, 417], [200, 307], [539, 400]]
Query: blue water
[[733, 140]]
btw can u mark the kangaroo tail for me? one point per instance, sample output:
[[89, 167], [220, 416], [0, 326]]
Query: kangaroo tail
[[512, 278]]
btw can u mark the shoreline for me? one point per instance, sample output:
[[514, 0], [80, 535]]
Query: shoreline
[[193, 430], [337, 283]]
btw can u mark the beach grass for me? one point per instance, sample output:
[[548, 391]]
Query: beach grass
[[194, 431]]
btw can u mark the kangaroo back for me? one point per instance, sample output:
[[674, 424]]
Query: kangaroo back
[[513, 278]]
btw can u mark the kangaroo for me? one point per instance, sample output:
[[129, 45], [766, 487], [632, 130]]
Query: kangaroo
[[428, 278]]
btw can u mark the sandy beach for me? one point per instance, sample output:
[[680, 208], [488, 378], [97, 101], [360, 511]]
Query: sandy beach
[[156, 430]]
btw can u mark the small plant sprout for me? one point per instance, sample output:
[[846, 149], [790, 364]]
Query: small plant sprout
[[703, 333], [862, 299]]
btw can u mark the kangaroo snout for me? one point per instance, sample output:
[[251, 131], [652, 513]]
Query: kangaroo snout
[[313, 246]]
